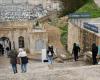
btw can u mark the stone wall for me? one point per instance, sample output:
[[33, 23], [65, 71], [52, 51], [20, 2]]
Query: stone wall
[[85, 38], [38, 40], [73, 36], [13, 30]]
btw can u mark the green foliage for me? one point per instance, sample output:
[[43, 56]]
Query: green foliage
[[91, 8], [64, 31], [64, 38], [63, 27], [69, 6]]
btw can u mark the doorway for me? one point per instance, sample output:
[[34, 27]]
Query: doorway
[[1, 49], [5, 46]]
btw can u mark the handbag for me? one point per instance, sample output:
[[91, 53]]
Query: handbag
[[45, 60], [18, 60]]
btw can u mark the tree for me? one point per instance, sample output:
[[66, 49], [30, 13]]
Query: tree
[[69, 6]]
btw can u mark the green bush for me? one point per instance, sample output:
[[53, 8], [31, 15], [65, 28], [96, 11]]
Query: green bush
[[69, 6], [91, 8], [64, 31]]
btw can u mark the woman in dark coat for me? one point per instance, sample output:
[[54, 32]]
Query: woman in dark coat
[[75, 51], [94, 53], [13, 60]]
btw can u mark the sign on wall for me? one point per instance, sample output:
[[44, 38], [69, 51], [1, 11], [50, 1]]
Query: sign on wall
[[90, 27], [79, 15]]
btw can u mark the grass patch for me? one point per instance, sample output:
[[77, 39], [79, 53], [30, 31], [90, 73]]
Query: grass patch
[[91, 8], [64, 32], [62, 25]]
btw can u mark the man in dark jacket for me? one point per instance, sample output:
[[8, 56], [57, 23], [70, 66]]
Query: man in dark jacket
[[94, 53], [13, 60], [75, 51], [50, 53]]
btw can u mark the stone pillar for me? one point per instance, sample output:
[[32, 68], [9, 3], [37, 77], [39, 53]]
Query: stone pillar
[[73, 36], [99, 40]]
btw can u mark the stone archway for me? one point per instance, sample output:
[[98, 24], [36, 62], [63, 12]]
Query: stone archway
[[6, 44]]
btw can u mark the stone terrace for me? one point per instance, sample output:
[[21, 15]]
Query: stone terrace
[[61, 71]]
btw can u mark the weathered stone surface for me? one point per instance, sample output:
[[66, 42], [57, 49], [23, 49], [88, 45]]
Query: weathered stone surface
[[40, 71], [97, 2], [59, 60]]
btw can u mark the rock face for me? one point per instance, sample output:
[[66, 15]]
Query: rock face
[[97, 2], [20, 12], [49, 4], [59, 60]]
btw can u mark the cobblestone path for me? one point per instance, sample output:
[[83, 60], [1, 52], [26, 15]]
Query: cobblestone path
[[40, 71]]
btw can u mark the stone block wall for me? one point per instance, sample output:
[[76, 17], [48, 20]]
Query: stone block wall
[[85, 38], [13, 30], [73, 36]]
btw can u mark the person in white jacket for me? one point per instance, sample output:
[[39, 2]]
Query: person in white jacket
[[24, 60], [22, 53]]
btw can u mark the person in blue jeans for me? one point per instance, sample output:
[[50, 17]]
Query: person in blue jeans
[[99, 50], [14, 67], [50, 59], [50, 53], [13, 60], [24, 60]]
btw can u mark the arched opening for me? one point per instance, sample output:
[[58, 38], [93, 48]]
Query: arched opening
[[1, 49], [21, 42], [5, 45]]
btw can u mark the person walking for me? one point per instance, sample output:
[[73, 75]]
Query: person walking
[[94, 53], [50, 53], [75, 51], [8, 50], [13, 60], [24, 60], [98, 55]]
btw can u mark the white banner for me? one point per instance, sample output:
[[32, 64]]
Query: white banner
[[44, 57]]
